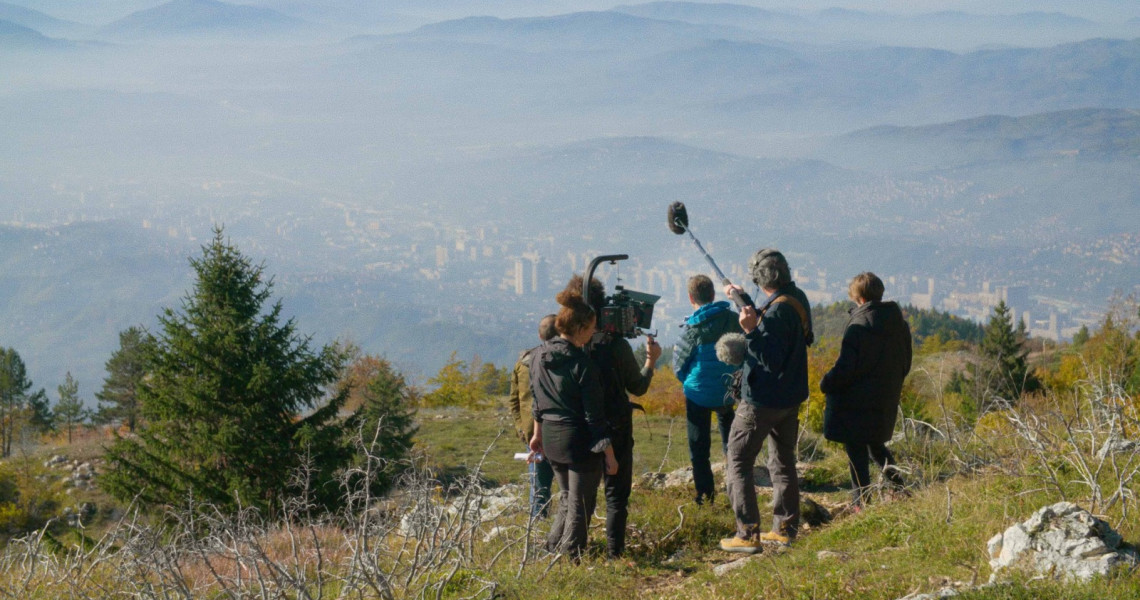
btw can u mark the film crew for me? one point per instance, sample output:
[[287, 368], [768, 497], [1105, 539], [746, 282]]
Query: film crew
[[521, 402], [774, 384], [863, 388], [569, 422], [621, 375], [705, 378]]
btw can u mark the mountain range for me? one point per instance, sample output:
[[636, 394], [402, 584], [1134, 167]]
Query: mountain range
[[187, 18], [394, 164]]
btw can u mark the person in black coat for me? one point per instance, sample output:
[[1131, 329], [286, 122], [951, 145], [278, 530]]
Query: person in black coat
[[864, 386]]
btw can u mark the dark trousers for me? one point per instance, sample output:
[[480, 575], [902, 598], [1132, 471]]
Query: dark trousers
[[577, 496], [751, 427], [540, 476], [700, 442], [617, 488], [859, 462]]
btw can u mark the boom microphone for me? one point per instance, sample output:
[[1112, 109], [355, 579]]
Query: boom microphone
[[679, 224]]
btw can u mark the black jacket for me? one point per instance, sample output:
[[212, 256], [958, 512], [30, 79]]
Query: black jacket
[[776, 367], [568, 395], [864, 386], [621, 375]]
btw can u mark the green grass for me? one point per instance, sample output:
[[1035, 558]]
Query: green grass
[[936, 537], [455, 441]]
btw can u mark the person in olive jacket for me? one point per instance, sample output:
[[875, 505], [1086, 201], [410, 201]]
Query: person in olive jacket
[[863, 388], [521, 403]]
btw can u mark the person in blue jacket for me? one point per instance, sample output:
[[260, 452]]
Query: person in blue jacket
[[705, 378]]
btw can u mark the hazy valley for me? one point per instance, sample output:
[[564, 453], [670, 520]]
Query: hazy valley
[[403, 172]]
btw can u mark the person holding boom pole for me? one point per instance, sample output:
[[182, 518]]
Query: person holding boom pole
[[775, 383]]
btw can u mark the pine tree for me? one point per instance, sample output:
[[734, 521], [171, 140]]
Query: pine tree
[[385, 420], [1004, 368], [19, 406], [69, 411], [228, 384], [118, 400]]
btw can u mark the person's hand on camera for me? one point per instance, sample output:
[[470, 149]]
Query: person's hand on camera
[[652, 351]]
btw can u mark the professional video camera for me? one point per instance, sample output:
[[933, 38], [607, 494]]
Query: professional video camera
[[626, 313]]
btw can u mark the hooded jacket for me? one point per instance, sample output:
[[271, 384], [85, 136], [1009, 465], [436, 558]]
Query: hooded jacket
[[703, 376], [864, 386], [568, 394]]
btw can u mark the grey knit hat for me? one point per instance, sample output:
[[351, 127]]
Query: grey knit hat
[[769, 269]]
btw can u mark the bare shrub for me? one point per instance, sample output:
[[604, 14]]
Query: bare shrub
[[425, 538], [1078, 440]]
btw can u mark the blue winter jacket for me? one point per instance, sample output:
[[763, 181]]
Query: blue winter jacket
[[703, 376]]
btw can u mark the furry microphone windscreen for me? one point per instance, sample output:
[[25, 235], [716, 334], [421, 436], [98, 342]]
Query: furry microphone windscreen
[[730, 348]]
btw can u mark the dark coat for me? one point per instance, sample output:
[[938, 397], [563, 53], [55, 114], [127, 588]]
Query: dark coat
[[864, 386], [620, 375], [775, 366]]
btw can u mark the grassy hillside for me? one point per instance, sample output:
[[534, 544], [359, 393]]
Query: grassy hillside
[[962, 491]]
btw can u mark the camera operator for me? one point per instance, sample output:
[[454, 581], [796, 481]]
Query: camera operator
[[621, 375]]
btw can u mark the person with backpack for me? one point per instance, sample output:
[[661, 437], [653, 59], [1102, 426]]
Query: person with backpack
[[521, 402], [621, 375], [704, 379], [774, 384]]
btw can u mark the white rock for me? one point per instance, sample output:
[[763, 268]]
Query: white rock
[[1061, 540], [728, 567]]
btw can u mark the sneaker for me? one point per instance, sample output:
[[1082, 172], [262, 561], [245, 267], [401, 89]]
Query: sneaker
[[741, 545], [775, 538]]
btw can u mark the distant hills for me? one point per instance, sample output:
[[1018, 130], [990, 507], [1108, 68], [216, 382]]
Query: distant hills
[[14, 36], [393, 180], [1090, 133], [183, 18], [954, 30], [39, 21]]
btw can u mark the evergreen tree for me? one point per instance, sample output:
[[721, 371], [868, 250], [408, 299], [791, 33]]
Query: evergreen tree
[[118, 400], [224, 403], [1081, 336], [385, 420], [19, 406], [69, 411], [1003, 369]]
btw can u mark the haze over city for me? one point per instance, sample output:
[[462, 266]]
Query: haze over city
[[420, 177]]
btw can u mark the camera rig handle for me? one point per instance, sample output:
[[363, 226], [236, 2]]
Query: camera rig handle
[[611, 258]]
